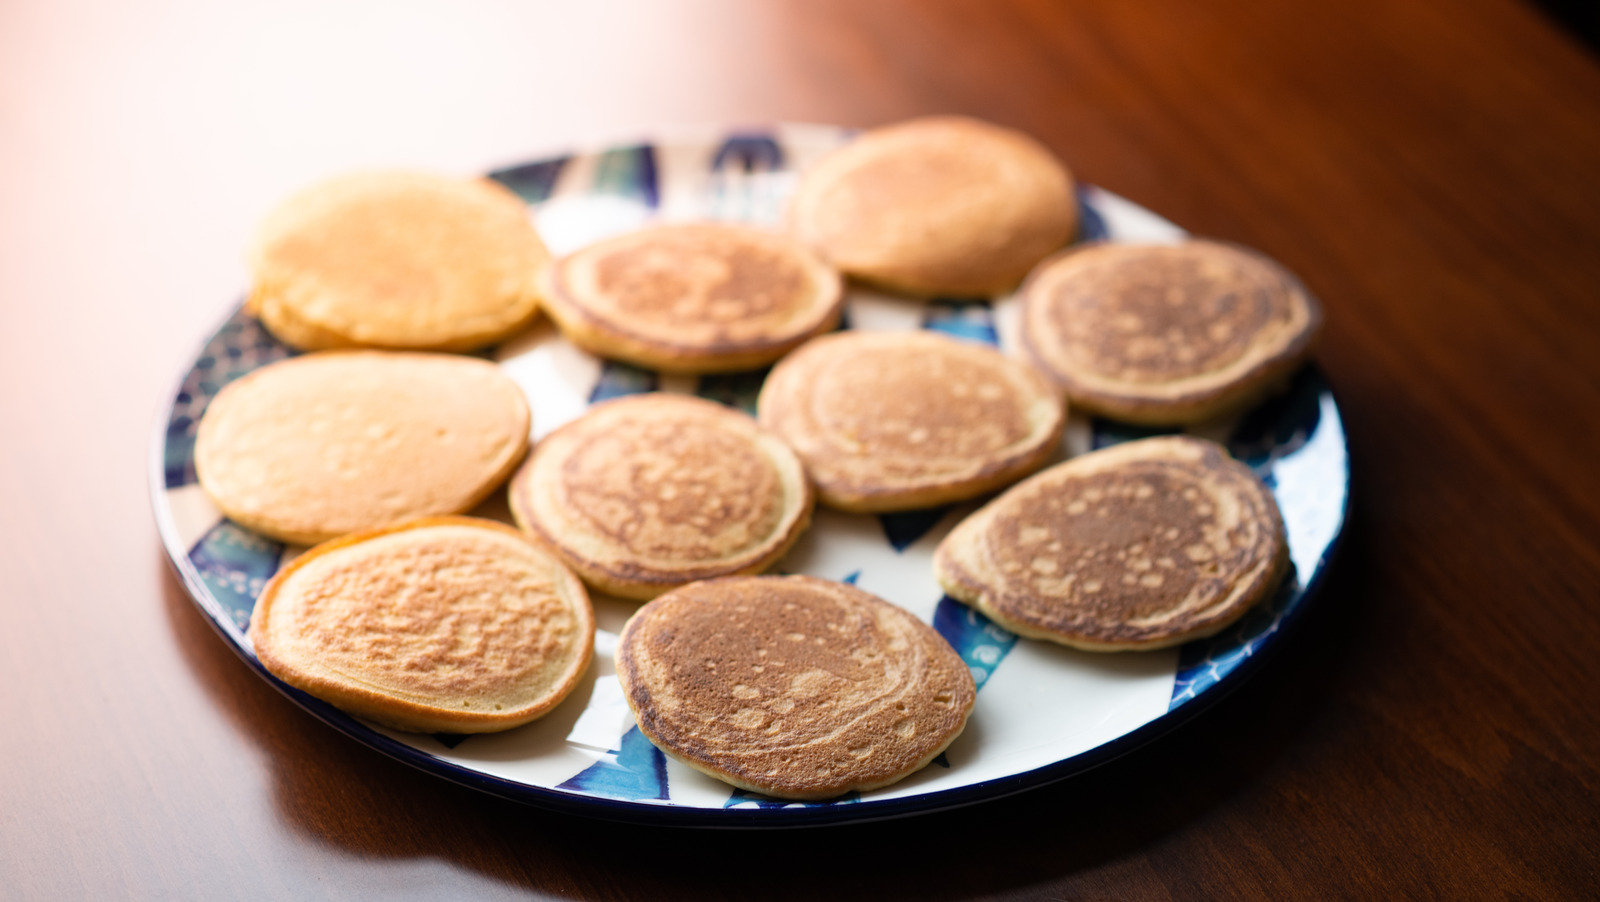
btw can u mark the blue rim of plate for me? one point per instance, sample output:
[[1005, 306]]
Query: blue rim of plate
[[1208, 669]]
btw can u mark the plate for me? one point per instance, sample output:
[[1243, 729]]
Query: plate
[[1044, 712]]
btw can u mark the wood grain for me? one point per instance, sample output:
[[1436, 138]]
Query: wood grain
[[1431, 169]]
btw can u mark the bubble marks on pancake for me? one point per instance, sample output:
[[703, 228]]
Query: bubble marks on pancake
[[970, 320], [1143, 545], [901, 421], [438, 625], [1166, 334], [793, 687], [692, 297], [648, 492]]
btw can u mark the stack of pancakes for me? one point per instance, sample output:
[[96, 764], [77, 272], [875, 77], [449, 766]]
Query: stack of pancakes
[[794, 687]]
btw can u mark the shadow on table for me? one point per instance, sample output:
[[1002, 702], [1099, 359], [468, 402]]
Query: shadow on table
[[333, 791]]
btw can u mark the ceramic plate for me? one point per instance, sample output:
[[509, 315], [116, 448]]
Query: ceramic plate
[[1043, 712]]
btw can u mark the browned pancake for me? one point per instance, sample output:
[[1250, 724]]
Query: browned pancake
[[1166, 334], [315, 446], [937, 206], [693, 297], [1141, 545], [399, 260], [888, 421], [648, 492], [445, 624], [795, 687]]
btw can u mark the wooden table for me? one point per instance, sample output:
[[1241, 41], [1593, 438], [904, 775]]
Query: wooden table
[[1431, 169]]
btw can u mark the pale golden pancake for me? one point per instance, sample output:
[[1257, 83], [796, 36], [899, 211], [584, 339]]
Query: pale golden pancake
[[645, 493], [397, 260], [693, 297], [938, 206], [795, 687], [444, 624], [1166, 334], [316, 446], [1141, 545], [889, 421]]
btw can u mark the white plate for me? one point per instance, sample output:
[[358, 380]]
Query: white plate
[[1043, 711]]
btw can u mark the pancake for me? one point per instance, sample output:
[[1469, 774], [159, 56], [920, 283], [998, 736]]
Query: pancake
[[316, 446], [1166, 334], [1140, 545], [942, 206], [794, 687], [889, 421], [693, 297], [444, 624], [397, 260], [645, 493]]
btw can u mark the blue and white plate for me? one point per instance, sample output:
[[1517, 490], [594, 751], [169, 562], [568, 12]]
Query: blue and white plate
[[1043, 711]]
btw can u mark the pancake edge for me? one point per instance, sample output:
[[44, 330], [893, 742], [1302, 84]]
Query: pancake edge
[[296, 535], [275, 301], [612, 340], [279, 316], [1263, 370], [626, 671], [403, 714], [643, 583], [784, 391], [973, 276], [954, 568]]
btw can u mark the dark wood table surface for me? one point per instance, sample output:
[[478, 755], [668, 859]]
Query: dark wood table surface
[[1430, 168]]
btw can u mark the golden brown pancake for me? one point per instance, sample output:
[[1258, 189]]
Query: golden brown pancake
[[889, 421], [645, 493], [1141, 545], [444, 624], [316, 446], [937, 206], [397, 260], [693, 297], [1166, 334], [795, 687]]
